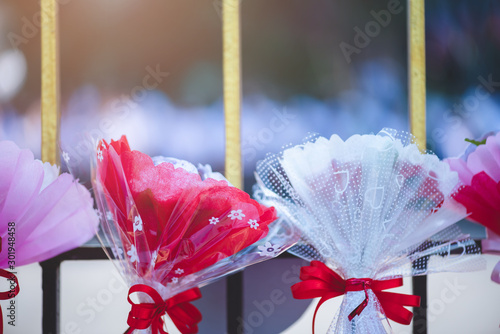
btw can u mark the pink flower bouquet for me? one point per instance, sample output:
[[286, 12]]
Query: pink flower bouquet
[[479, 171], [42, 213]]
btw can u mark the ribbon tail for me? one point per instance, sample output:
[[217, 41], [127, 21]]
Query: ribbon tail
[[158, 325], [321, 301], [398, 313], [128, 331], [361, 307], [392, 304], [358, 309], [317, 280], [186, 318], [183, 314]]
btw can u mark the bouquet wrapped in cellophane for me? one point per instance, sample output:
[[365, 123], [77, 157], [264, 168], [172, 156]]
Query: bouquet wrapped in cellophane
[[370, 210], [173, 227], [479, 171]]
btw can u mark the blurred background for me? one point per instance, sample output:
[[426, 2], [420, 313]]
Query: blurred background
[[153, 70]]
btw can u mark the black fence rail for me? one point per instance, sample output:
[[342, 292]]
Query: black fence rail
[[234, 286]]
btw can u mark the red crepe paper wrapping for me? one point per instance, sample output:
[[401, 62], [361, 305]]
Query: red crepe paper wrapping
[[479, 171], [173, 230]]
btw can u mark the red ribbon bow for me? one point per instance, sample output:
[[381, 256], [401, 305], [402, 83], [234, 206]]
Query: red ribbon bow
[[320, 281], [7, 294], [184, 315]]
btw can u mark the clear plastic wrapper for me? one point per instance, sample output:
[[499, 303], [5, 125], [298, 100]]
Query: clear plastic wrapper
[[372, 208], [174, 227]]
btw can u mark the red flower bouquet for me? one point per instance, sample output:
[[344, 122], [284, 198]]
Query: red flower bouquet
[[173, 229], [479, 171]]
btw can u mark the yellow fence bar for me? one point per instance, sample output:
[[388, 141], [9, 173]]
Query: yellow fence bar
[[50, 82], [232, 90], [416, 41]]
